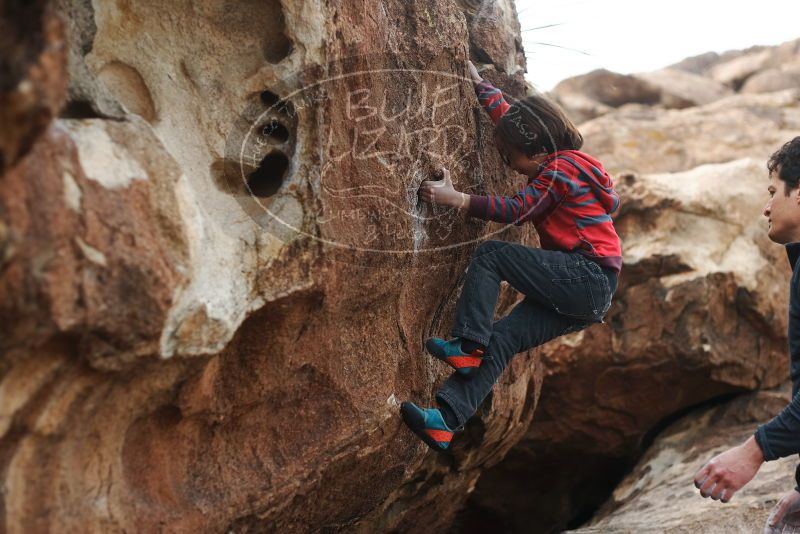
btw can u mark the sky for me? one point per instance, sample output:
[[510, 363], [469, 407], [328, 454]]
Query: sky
[[642, 35]]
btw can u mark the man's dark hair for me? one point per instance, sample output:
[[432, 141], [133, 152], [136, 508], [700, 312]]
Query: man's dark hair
[[534, 125], [785, 163]]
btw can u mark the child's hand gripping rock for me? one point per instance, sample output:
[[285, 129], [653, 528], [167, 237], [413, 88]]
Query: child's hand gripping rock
[[442, 192], [473, 73]]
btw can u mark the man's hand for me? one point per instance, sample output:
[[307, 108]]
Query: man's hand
[[727, 473], [473, 72], [785, 514], [442, 191]]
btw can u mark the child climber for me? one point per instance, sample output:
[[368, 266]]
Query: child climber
[[567, 284]]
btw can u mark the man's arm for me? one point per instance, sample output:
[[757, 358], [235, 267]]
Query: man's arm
[[780, 437], [727, 473]]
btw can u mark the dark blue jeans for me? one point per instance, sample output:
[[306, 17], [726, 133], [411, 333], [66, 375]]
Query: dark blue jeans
[[564, 292]]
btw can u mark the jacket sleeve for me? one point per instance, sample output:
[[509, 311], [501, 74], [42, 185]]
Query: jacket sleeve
[[797, 478], [535, 203], [780, 437], [491, 98]]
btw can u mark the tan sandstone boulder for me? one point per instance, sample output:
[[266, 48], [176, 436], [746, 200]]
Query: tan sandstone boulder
[[656, 140], [681, 89], [774, 79], [736, 71], [217, 276], [34, 76], [659, 495], [609, 88]]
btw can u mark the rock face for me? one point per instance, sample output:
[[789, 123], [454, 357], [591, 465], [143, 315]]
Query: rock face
[[700, 311], [32, 76], [92, 218], [658, 495], [216, 278]]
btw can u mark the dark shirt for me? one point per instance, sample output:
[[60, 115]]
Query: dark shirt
[[780, 437]]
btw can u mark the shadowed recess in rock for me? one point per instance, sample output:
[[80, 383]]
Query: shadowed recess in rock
[[276, 45], [79, 109], [258, 149], [268, 177], [274, 103], [276, 131]]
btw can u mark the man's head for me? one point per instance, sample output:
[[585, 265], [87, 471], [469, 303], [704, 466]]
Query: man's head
[[783, 207]]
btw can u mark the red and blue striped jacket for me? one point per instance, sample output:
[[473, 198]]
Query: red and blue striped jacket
[[568, 201]]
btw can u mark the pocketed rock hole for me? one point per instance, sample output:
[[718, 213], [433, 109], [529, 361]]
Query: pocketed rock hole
[[276, 45], [267, 179], [78, 109], [276, 131], [273, 101]]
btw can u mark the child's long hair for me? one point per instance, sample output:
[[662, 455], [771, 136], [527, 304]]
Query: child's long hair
[[535, 125]]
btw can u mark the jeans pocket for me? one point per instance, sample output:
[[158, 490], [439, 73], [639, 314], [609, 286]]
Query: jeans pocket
[[603, 289], [606, 295], [600, 286], [574, 296]]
